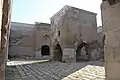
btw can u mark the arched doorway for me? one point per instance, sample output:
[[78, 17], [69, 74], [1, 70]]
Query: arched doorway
[[57, 53], [82, 52], [45, 50]]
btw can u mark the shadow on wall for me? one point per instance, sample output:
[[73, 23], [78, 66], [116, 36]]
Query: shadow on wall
[[57, 53], [82, 52]]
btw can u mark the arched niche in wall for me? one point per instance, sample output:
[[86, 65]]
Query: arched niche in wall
[[46, 37], [82, 52], [57, 50]]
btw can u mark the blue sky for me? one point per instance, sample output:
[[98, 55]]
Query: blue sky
[[30, 11]]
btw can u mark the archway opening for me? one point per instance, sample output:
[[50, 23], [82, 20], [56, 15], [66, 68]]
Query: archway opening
[[82, 53], [57, 53], [45, 50]]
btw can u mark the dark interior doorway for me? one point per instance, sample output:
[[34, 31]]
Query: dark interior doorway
[[45, 50], [82, 53], [57, 53]]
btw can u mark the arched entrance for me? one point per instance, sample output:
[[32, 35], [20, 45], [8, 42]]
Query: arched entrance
[[82, 52], [45, 50], [57, 53]]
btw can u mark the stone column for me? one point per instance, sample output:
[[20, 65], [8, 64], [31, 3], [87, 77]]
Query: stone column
[[1, 59], [69, 55], [111, 25], [5, 28]]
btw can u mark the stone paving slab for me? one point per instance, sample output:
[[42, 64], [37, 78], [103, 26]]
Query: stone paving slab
[[54, 70]]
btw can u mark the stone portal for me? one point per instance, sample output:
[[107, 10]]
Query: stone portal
[[57, 53], [82, 53], [45, 50]]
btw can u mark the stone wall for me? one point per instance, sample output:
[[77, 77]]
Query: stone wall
[[27, 39], [111, 25], [42, 37], [21, 39]]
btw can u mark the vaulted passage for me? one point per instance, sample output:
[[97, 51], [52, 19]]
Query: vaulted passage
[[82, 53], [57, 53], [45, 50]]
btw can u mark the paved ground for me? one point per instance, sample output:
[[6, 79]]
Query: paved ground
[[35, 70]]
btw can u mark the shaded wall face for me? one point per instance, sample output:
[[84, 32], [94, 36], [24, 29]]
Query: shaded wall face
[[111, 25], [1, 59], [74, 26], [1, 6], [21, 40]]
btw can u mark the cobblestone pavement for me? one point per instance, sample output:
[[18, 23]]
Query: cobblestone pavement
[[56, 71]]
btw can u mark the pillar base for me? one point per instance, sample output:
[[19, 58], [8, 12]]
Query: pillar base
[[68, 55]]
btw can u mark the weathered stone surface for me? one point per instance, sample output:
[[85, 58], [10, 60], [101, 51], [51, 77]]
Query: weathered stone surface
[[117, 53], [109, 54], [38, 55], [68, 55], [95, 54], [111, 22], [111, 39], [21, 39], [5, 12]]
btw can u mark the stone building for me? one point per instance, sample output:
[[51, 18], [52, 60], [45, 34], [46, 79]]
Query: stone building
[[111, 21], [72, 29], [71, 36], [43, 40]]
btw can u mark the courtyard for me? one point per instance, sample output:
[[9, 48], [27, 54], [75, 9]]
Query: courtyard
[[19, 69]]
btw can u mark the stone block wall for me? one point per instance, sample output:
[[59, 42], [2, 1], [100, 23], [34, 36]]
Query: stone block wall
[[21, 40], [42, 37], [111, 25]]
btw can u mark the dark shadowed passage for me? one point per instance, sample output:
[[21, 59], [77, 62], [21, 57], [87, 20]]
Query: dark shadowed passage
[[57, 53], [82, 52], [45, 50]]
